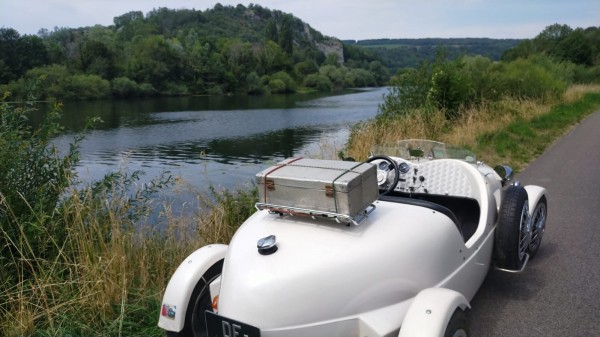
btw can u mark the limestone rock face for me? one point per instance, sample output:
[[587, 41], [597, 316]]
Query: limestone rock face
[[327, 45], [332, 46]]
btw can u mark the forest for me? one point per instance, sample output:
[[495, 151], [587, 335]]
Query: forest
[[409, 53], [223, 50]]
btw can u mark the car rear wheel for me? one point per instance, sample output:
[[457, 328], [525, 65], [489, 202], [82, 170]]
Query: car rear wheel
[[200, 301], [457, 326], [513, 233]]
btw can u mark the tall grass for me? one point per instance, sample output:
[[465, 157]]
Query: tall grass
[[108, 276], [510, 130]]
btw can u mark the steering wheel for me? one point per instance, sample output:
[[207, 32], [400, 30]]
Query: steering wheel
[[384, 169]]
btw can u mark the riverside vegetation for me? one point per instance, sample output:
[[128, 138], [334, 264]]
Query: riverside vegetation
[[93, 260]]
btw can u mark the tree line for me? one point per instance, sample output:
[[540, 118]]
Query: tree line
[[223, 50], [409, 53]]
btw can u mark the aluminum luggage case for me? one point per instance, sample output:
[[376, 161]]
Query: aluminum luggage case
[[340, 187]]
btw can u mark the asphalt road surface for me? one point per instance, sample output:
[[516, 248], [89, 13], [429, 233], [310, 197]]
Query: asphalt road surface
[[558, 294]]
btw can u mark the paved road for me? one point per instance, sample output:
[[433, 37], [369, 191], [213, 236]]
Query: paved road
[[559, 292]]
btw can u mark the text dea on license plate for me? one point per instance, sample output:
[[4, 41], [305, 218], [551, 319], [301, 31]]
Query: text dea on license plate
[[219, 326]]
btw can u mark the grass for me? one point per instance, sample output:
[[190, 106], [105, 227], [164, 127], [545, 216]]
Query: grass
[[110, 272], [527, 137], [116, 257], [510, 131]]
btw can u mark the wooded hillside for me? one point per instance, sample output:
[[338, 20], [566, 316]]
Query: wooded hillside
[[179, 52]]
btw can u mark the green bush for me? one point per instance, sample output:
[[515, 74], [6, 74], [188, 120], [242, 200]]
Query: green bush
[[334, 74], [289, 85], [254, 84], [480, 73], [176, 89], [305, 68], [33, 177], [450, 87], [60, 84], [277, 86], [585, 75], [362, 78], [124, 87], [318, 81], [85, 87], [526, 78]]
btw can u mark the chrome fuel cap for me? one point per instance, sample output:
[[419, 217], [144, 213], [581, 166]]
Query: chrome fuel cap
[[267, 245]]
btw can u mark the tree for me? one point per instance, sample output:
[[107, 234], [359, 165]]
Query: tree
[[127, 18], [576, 48], [97, 58], [332, 59], [379, 71], [271, 31], [552, 35], [272, 58], [8, 45], [152, 60], [286, 34], [522, 50]]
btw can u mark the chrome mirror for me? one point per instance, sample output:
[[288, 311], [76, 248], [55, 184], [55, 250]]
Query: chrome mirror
[[505, 172]]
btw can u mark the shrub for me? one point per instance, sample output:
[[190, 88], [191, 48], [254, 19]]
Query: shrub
[[318, 81], [525, 78], [362, 77], [449, 88], [176, 89], [305, 68], [334, 74], [585, 75], [277, 86], [124, 87], [289, 85], [33, 177], [254, 84], [85, 87]]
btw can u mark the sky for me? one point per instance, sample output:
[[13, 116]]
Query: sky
[[343, 19]]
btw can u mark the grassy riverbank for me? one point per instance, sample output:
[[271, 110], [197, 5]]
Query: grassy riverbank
[[511, 131]]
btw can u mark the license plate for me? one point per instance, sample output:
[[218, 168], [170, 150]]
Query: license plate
[[219, 326]]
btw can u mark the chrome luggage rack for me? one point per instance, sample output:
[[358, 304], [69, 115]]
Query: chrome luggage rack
[[296, 211]]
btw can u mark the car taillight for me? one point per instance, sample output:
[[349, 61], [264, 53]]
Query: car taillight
[[215, 303]]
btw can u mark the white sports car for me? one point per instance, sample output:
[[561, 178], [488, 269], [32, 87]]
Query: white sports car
[[396, 246]]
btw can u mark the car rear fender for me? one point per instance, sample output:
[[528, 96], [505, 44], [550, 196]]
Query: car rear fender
[[182, 283], [535, 194], [430, 312]]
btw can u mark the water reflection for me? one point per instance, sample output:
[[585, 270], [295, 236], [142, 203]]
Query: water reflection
[[212, 140]]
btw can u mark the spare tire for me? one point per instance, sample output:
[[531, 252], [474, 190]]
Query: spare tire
[[513, 233]]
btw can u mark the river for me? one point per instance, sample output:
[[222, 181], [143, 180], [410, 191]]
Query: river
[[218, 141]]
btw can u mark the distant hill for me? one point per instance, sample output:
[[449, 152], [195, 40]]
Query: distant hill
[[223, 50], [402, 53]]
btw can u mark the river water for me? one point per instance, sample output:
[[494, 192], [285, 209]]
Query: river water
[[218, 141]]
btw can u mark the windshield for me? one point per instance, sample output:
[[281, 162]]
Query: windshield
[[420, 148]]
